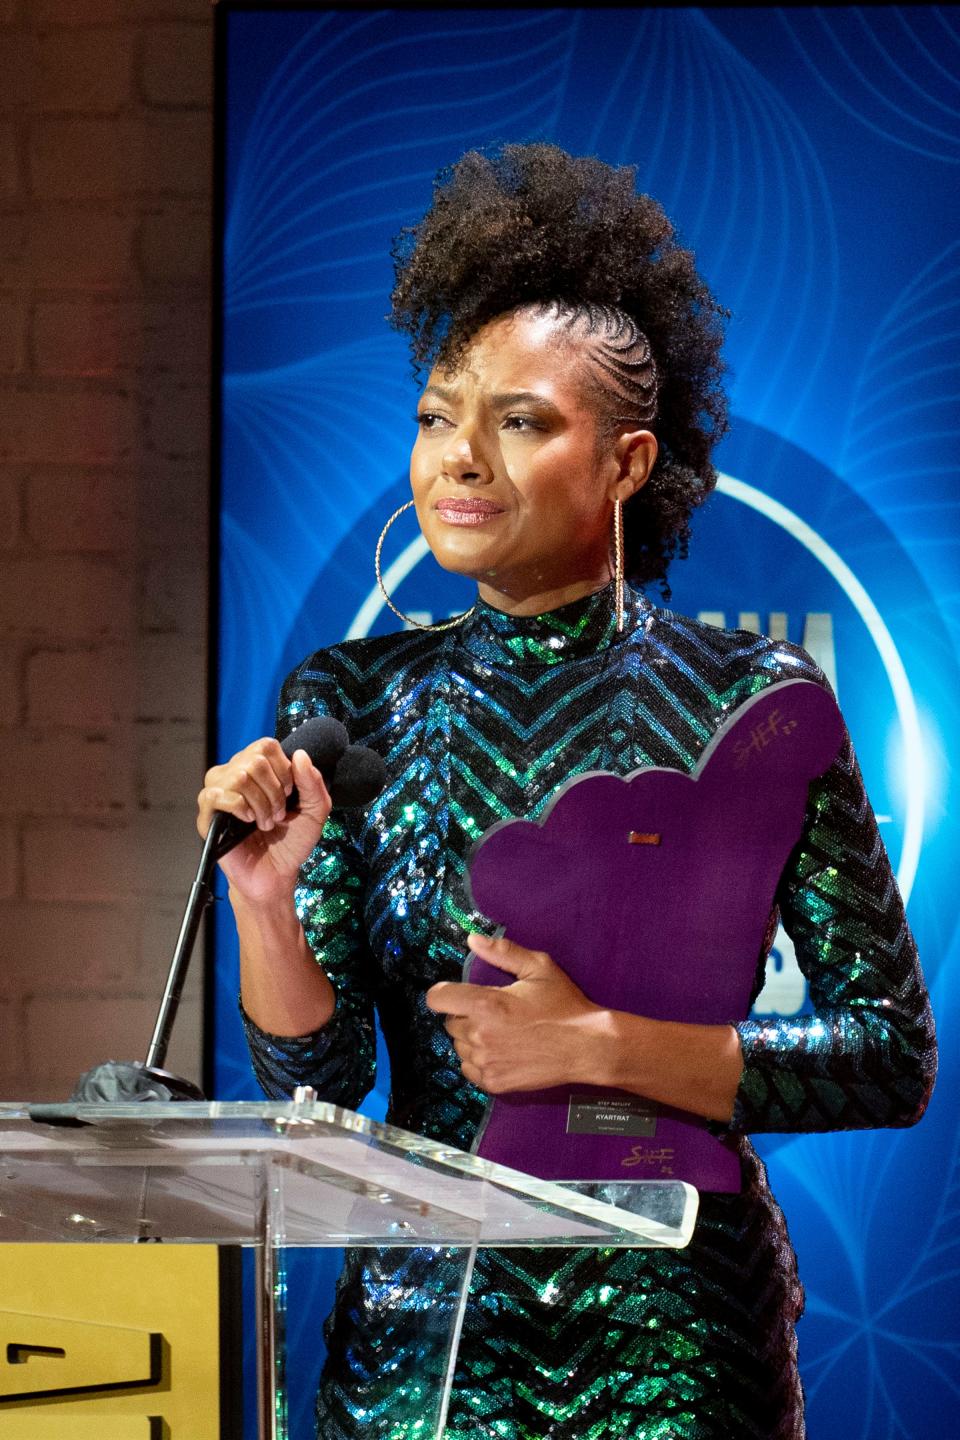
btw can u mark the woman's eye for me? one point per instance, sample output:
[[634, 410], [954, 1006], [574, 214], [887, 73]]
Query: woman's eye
[[521, 422], [429, 419]]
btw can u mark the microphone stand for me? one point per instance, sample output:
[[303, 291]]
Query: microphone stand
[[356, 775], [122, 1081], [201, 894]]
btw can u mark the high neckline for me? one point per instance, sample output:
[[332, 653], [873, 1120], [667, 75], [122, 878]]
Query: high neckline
[[582, 627]]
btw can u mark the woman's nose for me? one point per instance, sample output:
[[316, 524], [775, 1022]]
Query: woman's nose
[[463, 460]]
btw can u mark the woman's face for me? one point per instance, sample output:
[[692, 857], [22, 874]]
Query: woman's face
[[510, 483]]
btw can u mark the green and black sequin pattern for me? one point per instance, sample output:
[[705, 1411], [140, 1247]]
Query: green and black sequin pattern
[[479, 724]]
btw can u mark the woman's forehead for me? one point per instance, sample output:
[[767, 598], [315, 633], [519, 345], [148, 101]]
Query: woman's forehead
[[522, 350]]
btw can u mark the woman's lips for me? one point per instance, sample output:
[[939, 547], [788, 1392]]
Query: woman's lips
[[467, 512]]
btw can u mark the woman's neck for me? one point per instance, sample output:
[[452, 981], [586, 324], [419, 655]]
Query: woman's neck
[[539, 601]]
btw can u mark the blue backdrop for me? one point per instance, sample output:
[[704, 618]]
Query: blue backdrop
[[810, 159]]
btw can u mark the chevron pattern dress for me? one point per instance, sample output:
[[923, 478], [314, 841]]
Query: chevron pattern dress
[[481, 723]]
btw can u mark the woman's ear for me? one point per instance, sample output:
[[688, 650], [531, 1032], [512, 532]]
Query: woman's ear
[[635, 452]]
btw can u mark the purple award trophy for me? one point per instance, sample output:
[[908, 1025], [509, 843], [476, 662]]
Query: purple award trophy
[[654, 894]]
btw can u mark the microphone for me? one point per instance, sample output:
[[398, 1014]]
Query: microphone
[[353, 774]]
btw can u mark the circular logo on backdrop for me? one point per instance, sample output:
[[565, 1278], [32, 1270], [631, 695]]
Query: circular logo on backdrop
[[782, 548]]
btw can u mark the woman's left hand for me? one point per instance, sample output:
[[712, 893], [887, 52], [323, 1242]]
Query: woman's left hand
[[539, 1031]]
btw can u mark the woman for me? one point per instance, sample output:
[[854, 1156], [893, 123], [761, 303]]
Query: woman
[[564, 438]]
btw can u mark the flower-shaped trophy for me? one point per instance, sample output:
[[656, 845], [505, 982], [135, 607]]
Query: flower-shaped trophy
[[655, 894]]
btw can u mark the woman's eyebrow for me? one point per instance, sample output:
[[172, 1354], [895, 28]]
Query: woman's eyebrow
[[499, 402], [522, 397]]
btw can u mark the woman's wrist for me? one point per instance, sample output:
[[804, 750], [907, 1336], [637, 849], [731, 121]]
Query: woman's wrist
[[611, 1052], [692, 1067], [284, 990], [274, 914]]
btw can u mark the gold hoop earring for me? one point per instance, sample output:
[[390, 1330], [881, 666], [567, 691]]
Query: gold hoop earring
[[618, 561], [439, 625]]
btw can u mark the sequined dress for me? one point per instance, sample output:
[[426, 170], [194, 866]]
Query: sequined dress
[[480, 723]]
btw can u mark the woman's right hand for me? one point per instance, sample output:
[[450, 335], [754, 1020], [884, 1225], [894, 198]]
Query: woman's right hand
[[254, 785]]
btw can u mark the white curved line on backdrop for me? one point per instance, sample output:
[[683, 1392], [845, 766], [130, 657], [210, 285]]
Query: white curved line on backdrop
[[896, 136], [393, 576], [856, 593], [890, 656]]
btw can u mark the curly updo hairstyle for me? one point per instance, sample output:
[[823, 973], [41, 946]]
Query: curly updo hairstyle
[[531, 225]]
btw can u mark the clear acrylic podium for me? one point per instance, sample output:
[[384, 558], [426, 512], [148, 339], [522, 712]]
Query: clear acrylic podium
[[271, 1176]]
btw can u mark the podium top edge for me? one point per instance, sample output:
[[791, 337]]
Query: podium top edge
[[26, 1127]]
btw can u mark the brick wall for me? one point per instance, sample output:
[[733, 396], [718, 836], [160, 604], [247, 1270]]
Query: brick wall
[[105, 160]]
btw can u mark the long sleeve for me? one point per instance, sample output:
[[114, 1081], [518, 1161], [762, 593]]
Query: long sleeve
[[866, 1056], [339, 1059]]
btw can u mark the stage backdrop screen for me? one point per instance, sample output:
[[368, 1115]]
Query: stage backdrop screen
[[810, 158]]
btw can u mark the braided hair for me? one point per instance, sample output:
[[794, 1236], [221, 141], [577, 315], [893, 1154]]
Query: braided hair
[[532, 227]]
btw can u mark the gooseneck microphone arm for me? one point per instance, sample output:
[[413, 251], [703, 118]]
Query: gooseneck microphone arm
[[201, 893], [354, 775]]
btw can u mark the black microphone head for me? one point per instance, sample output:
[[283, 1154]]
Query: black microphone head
[[324, 740], [359, 777]]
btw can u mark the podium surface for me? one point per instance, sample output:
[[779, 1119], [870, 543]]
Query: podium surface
[[300, 1174]]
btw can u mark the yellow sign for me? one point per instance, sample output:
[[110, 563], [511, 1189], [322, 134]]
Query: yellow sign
[[46, 1355], [92, 1427], [114, 1342]]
